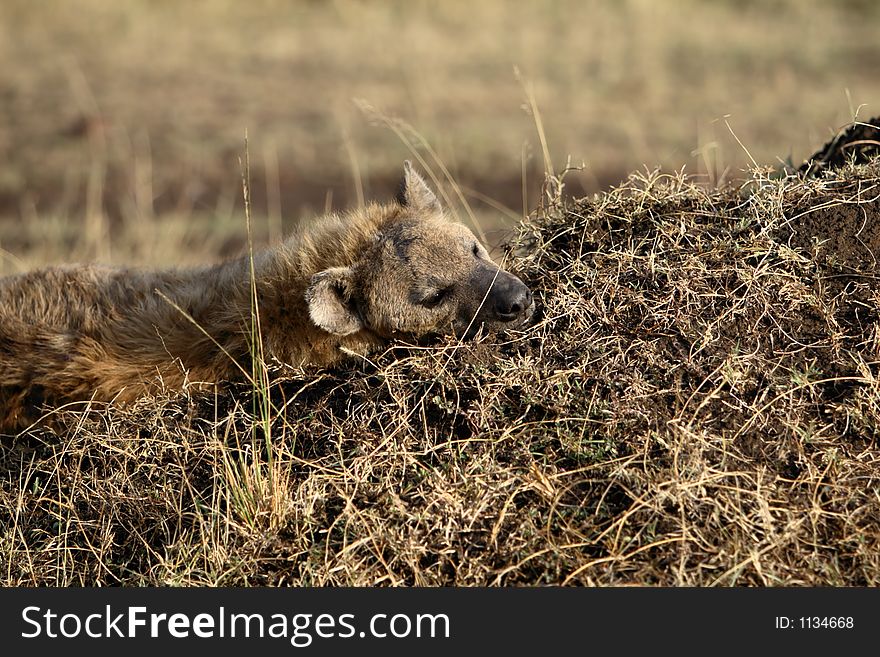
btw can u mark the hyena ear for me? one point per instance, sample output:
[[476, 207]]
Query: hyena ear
[[329, 299], [414, 193]]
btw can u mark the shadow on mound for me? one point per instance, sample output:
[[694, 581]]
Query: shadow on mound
[[856, 144]]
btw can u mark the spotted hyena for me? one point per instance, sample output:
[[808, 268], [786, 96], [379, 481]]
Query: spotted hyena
[[345, 284]]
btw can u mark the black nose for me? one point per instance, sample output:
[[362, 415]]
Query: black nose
[[512, 300]]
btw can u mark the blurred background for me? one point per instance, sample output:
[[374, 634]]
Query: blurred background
[[122, 124]]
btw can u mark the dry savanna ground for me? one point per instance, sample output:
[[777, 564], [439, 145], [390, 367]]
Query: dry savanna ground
[[696, 403]]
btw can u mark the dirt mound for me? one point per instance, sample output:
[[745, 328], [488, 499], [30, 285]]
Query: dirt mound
[[843, 234], [698, 403], [859, 142], [845, 230]]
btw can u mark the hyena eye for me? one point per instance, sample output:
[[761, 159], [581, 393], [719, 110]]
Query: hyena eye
[[435, 298], [476, 249]]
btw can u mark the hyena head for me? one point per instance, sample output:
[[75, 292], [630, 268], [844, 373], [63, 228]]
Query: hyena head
[[422, 275]]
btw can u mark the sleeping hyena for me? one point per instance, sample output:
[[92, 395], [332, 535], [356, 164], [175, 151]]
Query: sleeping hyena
[[342, 285]]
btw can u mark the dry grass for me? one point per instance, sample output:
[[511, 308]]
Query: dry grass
[[697, 404]]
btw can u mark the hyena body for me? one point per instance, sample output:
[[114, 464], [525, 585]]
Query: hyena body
[[345, 284]]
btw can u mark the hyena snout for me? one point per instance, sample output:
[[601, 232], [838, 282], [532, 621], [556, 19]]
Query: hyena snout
[[508, 302], [511, 299]]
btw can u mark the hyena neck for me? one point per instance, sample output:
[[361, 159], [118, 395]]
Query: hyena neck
[[334, 240], [283, 274]]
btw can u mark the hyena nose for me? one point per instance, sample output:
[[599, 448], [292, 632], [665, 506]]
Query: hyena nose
[[514, 302]]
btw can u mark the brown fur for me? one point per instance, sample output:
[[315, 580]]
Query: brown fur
[[343, 284]]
